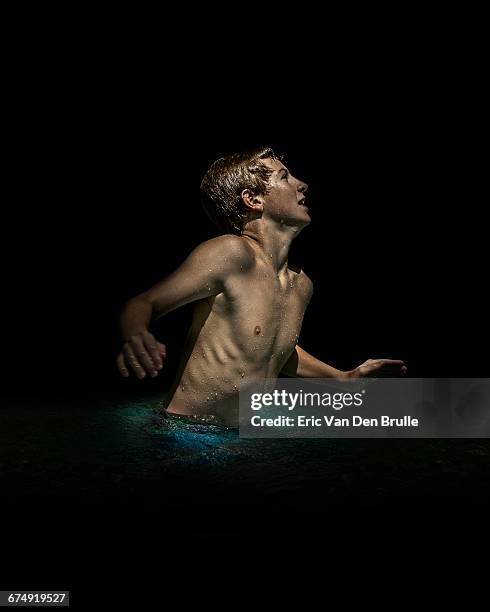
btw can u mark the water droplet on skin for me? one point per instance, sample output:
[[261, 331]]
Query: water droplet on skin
[[242, 374]]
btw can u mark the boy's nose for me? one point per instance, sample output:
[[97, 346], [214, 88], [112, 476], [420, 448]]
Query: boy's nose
[[303, 187]]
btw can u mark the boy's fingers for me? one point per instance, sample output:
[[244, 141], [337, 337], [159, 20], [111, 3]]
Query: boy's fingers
[[121, 365], [147, 362], [390, 362], [134, 362], [152, 348], [162, 348], [143, 357]]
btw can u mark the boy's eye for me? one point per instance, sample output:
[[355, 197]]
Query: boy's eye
[[285, 175]]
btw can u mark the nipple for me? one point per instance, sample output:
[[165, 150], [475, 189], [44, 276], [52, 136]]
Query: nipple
[[257, 330]]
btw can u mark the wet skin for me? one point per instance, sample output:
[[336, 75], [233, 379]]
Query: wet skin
[[249, 307], [246, 332]]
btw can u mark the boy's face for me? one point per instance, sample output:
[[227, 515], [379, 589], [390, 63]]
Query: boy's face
[[285, 200]]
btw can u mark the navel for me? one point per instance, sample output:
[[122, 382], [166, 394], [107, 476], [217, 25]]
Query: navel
[[257, 330]]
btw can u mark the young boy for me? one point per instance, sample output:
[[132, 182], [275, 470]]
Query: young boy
[[249, 303]]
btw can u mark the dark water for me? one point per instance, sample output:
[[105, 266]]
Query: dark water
[[98, 486], [103, 451]]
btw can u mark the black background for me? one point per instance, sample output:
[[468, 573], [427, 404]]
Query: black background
[[109, 149], [110, 205]]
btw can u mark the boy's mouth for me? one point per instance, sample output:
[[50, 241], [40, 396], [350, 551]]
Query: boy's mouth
[[302, 202]]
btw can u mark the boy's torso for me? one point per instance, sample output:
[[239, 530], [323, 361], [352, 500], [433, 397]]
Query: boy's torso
[[245, 333]]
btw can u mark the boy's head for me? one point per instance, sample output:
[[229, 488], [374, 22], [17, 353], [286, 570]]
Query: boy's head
[[235, 188]]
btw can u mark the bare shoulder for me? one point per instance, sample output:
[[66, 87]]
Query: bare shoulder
[[228, 251]]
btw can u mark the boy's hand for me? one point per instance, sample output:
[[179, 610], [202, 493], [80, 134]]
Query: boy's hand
[[379, 366], [143, 354]]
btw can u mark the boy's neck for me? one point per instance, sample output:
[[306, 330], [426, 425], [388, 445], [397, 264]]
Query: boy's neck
[[274, 241]]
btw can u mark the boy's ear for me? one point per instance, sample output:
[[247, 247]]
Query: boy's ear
[[252, 200]]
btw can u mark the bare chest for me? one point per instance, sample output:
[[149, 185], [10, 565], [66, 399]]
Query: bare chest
[[263, 314]]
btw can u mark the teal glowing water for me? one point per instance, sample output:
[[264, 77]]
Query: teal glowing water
[[99, 447]]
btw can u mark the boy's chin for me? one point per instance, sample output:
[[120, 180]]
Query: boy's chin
[[304, 211], [305, 217]]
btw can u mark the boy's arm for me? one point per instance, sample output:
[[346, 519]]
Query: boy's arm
[[304, 365], [202, 274]]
